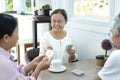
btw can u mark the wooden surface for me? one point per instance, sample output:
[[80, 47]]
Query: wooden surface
[[88, 66]]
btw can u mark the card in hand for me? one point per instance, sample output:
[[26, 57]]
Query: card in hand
[[68, 47], [49, 53]]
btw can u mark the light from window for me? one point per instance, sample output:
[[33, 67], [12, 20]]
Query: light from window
[[28, 5], [97, 8], [1, 6], [9, 5]]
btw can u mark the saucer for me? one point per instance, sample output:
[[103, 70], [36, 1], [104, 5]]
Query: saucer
[[63, 68]]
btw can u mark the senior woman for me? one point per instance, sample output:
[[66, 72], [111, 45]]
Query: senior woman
[[8, 39], [111, 69]]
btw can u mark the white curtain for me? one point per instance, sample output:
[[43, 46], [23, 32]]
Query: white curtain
[[2, 5], [64, 4], [20, 6]]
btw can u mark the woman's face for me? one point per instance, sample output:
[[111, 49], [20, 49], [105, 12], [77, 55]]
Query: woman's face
[[12, 40], [57, 22], [115, 40]]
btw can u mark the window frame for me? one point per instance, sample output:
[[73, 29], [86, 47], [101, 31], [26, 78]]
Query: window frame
[[95, 20]]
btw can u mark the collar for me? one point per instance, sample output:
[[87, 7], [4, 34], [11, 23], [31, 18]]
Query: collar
[[5, 53]]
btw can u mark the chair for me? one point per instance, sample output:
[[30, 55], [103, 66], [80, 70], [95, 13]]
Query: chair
[[25, 43], [31, 54]]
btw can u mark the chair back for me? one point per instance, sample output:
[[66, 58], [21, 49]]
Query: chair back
[[31, 54]]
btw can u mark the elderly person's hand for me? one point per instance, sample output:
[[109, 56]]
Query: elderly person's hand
[[44, 64], [37, 60]]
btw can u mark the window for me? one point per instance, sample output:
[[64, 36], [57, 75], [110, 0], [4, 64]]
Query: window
[[96, 12], [98, 8], [2, 5], [11, 5], [29, 5]]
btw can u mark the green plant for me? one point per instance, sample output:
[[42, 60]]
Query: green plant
[[106, 45], [46, 7], [9, 5]]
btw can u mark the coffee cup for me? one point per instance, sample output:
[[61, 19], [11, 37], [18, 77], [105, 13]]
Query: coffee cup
[[56, 64], [99, 61]]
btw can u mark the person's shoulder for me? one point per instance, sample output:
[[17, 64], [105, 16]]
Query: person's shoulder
[[115, 53]]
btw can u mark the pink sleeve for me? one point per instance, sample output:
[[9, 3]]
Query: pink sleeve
[[22, 75]]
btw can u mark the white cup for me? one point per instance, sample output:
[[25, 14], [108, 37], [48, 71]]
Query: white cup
[[56, 64]]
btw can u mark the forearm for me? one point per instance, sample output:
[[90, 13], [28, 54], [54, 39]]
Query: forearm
[[36, 72], [28, 68], [97, 78]]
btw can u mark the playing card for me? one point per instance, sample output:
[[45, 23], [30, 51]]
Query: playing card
[[49, 53], [77, 72], [68, 47]]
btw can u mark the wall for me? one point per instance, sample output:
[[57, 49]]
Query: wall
[[25, 29], [88, 35], [88, 38]]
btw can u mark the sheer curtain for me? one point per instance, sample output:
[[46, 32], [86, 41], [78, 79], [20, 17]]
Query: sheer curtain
[[64, 4], [2, 5]]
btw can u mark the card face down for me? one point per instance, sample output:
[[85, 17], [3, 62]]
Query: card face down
[[77, 72]]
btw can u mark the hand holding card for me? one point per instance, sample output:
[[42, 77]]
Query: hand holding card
[[49, 53], [68, 47]]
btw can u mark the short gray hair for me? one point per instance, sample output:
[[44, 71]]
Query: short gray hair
[[116, 25]]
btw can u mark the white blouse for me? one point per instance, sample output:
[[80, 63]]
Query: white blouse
[[58, 46]]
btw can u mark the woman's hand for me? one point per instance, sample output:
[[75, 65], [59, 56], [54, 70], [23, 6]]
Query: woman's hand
[[71, 53], [43, 64], [37, 60], [33, 63]]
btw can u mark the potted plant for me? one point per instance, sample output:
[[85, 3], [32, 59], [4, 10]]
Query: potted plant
[[100, 59], [46, 8], [106, 45]]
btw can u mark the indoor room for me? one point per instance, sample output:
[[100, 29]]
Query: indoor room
[[89, 23]]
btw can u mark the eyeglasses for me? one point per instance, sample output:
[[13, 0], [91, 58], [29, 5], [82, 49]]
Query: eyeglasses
[[110, 34], [57, 21]]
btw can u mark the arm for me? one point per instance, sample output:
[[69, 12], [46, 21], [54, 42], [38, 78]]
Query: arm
[[72, 52], [97, 78], [39, 63], [44, 64]]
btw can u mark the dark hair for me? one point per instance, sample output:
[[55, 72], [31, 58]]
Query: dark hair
[[62, 12], [7, 24]]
